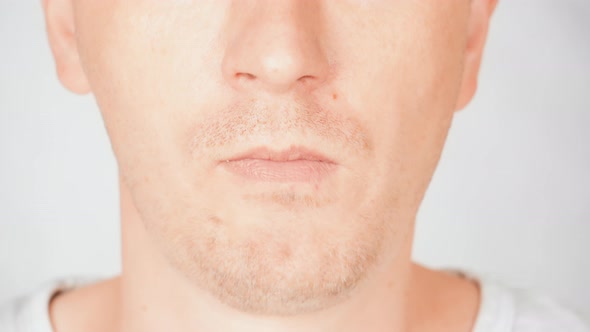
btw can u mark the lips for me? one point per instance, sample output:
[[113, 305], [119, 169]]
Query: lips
[[296, 164]]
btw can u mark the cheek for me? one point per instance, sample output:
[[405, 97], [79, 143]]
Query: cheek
[[149, 72], [406, 91], [407, 71]]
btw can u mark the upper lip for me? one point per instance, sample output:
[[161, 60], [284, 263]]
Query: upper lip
[[290, 154]]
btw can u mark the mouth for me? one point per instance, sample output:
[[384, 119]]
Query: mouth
[[296, 164]]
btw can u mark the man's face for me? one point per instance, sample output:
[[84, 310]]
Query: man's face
[[184, 86]]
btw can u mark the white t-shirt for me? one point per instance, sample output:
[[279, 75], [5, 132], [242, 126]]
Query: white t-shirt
[[502, 309]]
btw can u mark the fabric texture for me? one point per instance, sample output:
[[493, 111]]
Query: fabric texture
[[502, 309]]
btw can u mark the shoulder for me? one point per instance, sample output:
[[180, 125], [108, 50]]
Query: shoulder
[[507, 309], [30, 312]]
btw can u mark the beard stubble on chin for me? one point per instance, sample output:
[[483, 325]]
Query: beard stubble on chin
[[273, 267]]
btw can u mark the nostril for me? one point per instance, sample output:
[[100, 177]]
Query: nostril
[[307, 79], [246, 76]]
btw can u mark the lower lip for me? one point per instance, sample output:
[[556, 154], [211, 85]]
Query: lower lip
[[280, 171]]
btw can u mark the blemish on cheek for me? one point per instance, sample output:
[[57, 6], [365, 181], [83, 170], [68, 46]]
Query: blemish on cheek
[[334, 96]]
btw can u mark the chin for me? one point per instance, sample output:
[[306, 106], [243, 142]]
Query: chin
[[276, 252], [269, 269]]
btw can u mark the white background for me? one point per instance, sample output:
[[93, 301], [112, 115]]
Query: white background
[[510, 198]]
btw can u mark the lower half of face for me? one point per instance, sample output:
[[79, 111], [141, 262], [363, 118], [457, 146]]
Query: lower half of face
[[349, 162], [276, 247], [267, 247]]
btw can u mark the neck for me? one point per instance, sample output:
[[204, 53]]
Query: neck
[[155, 297]]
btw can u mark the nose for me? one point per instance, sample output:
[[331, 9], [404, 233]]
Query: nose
[[275, 46]]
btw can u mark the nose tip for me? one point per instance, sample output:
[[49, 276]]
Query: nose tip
[[275, 55], [277, 69]]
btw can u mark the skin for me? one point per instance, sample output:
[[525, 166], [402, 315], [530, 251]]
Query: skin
[[184, 85]]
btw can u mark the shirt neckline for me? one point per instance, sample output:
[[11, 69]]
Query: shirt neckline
[[495, 314]]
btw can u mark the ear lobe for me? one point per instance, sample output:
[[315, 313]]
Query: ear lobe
[[479, 21], [61, 32]]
